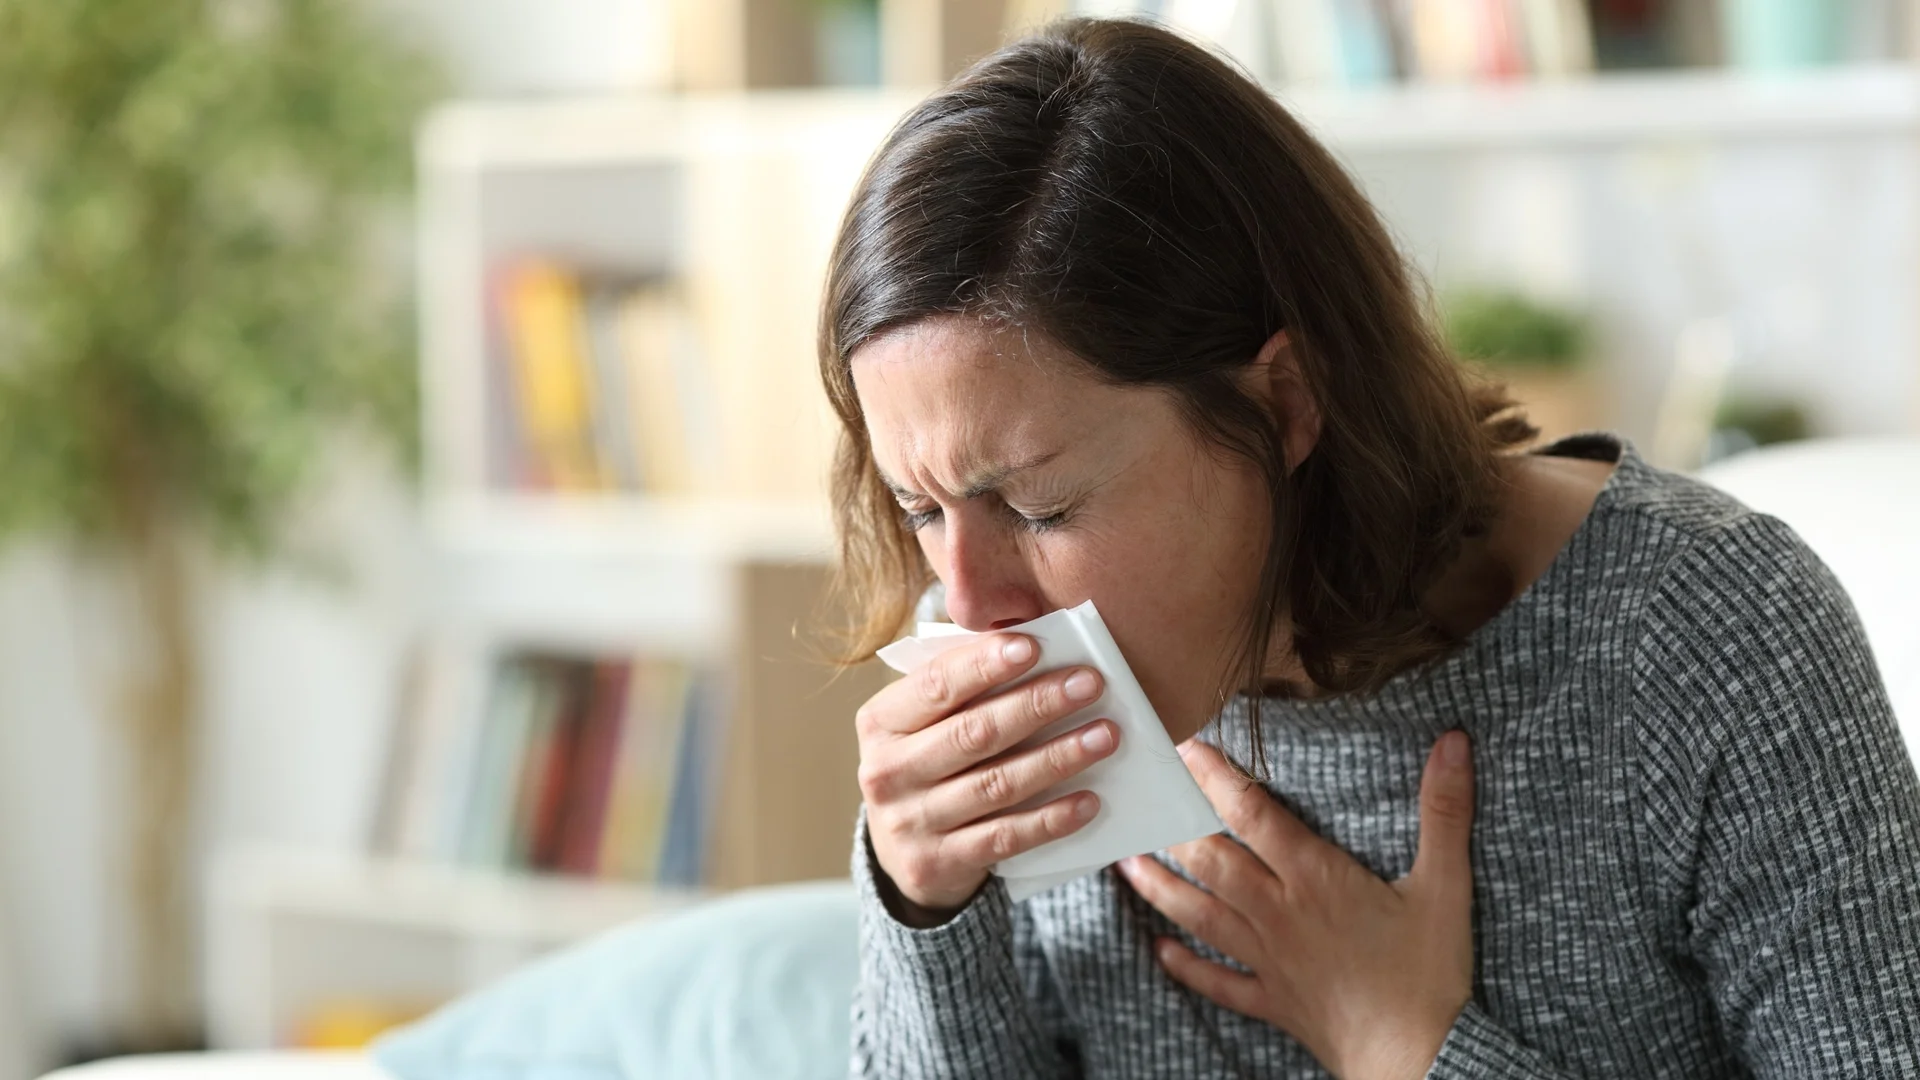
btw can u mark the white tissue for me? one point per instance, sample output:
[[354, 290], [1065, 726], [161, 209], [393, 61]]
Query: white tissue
[[1148, 799]]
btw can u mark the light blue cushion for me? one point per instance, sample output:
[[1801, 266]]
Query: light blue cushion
[[756, 984]]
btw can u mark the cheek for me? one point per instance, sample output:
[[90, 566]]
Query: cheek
[[1176, 595]]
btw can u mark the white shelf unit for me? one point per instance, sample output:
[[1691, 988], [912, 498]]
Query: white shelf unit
[[718, 193], [290, 931], [742, 194], [1694, 103], [613, 573], [733, 196]]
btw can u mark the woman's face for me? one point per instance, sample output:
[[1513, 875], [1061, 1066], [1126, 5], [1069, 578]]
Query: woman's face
[[1032, 486]]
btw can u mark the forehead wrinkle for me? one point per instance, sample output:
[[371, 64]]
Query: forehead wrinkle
[[978, 447], [976, 479]]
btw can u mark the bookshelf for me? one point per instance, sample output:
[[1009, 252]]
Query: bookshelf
[[749, 44]]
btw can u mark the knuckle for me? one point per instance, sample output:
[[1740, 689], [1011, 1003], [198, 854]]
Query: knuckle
[[1043, 701], [932, 683], [1061, 818], [984, 668], [876, 781], [1202, 860], [1062, 757], [1451, 807], [1003, 841], [1206, 923], [918, 869], [971, 732], [866, 719], [993, 787]]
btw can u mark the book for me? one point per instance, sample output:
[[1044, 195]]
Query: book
[[521, 694], [585, 765], [551, 767], [652, 338], [696, 778], [616, 444], [1557, 37], [590, 781], [552, 385]]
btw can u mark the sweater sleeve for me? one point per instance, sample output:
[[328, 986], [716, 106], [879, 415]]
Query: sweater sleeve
[[1782, 809], [1479, 1049], [969, 998]]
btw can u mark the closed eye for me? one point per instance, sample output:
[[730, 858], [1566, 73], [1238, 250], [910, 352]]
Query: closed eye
[[1038, 524], [915, 520]]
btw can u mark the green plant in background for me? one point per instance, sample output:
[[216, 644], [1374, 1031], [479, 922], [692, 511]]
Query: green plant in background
[[1749, 421], [1504, 328], [190, 310]]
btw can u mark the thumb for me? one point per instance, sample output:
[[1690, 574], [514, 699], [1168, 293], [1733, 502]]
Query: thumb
[[1444, 862]]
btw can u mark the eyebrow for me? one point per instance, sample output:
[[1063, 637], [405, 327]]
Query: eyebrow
[[984, 482]]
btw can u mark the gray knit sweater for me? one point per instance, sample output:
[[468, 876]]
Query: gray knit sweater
[[1696, 848]]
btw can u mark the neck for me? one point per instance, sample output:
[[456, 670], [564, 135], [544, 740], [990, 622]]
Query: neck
[[1542, 503]]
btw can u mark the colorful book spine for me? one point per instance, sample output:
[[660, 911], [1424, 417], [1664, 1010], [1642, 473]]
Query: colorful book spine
[[551, 770], [696, 778], [585, 766], [553, 378], [520, 695], [590, 785]]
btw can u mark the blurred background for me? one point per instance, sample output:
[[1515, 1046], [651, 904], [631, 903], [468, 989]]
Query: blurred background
[[411, 457]]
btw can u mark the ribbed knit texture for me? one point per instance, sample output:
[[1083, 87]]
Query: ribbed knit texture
[[1696, 845]]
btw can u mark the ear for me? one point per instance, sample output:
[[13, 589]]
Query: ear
[[1293, 402]]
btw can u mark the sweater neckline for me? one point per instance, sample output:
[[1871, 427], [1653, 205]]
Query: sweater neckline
[[1498, 643]]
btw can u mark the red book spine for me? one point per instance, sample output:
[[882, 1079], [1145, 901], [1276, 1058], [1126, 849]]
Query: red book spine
[[549, 810], [596, 755]]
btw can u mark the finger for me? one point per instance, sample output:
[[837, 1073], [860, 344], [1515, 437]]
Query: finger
[[935, 689], [1444, 860], [1269, 828], [1206, 917], [1011, 779], [985, 729], [997, 839], [1215, 982], [1226, 870]]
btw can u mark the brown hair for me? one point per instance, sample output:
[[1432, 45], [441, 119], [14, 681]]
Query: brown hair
[[1130, 196]]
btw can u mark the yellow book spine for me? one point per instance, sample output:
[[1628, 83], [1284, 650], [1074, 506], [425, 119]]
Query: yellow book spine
[[552, 377]]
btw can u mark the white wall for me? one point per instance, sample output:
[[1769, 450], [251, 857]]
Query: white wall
[[300, 676], [1810, 246]]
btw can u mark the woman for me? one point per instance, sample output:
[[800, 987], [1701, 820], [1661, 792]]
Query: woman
[[1572, 767]]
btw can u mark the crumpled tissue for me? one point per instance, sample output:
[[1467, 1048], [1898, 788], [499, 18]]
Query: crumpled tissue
[[1148, 799]]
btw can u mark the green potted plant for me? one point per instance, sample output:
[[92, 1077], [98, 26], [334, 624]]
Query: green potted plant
[[1536, 349], [189, 311]]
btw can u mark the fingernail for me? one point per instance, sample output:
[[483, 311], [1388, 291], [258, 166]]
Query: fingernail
[[1097, 739], [1085, 807], [1081, 686], [1453, 748], [1186, 749], [1017, 650]]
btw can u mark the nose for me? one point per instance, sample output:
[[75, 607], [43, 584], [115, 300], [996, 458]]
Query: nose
[[987, 581]]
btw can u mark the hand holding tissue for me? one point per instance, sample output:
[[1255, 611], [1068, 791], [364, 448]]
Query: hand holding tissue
[[1148, 799]]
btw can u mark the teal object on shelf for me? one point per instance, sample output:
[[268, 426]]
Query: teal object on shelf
[[1784, 35]]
